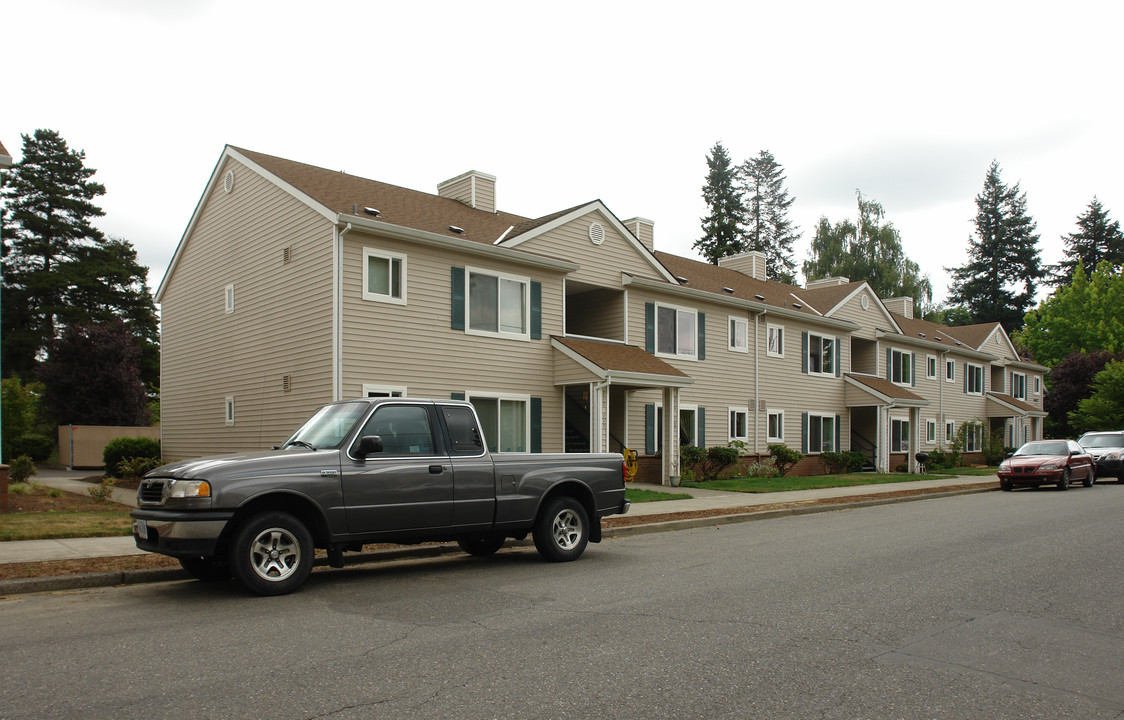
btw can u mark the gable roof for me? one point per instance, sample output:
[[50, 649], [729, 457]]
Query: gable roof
[[976, 335], [715, 279], [616, 361], [829, 298], [887, 392], [5, 157]]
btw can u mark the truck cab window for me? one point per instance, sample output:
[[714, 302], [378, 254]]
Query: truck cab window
[[462, 430], [404, 429]]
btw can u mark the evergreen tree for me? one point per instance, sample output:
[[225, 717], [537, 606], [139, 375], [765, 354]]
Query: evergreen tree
[[58, 269], [768, 228], [1097, 238], [722, 228], [999, 280], [868, 250]]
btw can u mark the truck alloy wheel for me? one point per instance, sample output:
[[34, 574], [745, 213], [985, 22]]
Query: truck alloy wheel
[[272, 554], [562, 530]]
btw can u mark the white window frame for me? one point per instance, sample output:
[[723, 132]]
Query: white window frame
[[771, 331], [779, 414], [972, 438], [898, 427], [391, 257], [499, 398], [930, 367], [228, 298], [228, 410], [825, 340], [906, 368], [499, 332], [1018, 386], [930, 430], [949, 370], [743, 412], [680, 311], [376, 390], [1037, 385], [732, 326], [683, 407], [812, 417], [973, 369], [949, 431]]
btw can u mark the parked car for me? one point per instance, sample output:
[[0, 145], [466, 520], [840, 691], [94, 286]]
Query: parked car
[[1048, 462], [1106, 449], [399, 470]]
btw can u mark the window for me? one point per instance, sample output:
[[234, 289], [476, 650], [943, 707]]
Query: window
[[821, 355], [505, 420], [950, 371], [229, 409], [1018, 386], [776, 341], [384, 276], [1037, 385], [949, 431], [404, 429], [973, 379], [899, 436], [497, 305], [972, 438], [739, 334], [821, 433], [229, 294], [739, 424], [776, 426], [676, 333], [901, 367], [930, 367], [384, 390], [930, 431], [688, 427]]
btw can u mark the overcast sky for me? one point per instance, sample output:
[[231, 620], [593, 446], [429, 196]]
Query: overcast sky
[[564, 103]]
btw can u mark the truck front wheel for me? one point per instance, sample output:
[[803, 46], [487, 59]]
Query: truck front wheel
[[562, 530], [272, 553]]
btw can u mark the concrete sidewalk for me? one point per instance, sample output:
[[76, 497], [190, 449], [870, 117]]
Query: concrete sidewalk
[[701, 501]]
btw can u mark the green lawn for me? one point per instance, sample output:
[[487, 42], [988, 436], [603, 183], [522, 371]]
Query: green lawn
[[47, 525], [782, 484], [639, 496]]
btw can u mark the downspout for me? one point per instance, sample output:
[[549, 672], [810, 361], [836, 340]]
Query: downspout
[[756, 382], [942, 378], [337, 313]]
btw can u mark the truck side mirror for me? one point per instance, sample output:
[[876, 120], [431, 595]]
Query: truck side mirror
[[368, 445]]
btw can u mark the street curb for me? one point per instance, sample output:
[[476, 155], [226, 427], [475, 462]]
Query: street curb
[[57, 583]]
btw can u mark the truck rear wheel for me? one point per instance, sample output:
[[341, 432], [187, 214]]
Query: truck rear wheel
[[272, 553], [562, 530]]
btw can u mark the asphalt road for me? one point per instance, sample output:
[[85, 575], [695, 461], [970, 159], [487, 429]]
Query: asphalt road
[[1002, 605]]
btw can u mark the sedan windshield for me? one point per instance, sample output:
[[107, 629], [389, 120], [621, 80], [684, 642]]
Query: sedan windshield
[[329, 426], [1044, 448], [1102, 441]]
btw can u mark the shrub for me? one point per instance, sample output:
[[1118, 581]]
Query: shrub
[[37, 447], [20, 488], [128, 448], [21, 469], [854, 460], [102, 491], [134, 468], [832, 462], [763, 469], [784, 458], [939, 460], [702, 465]]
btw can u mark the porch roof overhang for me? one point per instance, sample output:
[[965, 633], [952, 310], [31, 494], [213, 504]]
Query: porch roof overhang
[[861, 390], [619, 364], [1003, 406]]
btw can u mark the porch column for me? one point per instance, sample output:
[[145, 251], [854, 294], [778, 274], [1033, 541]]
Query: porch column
[[914, 439], [669, 432], [599, 413]]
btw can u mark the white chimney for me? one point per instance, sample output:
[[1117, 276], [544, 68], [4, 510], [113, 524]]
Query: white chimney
[[473, 188], [644, 230], [751, 263]]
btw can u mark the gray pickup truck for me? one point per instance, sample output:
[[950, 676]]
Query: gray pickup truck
[[369, 471]]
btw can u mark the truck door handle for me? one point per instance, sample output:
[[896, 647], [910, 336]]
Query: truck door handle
[[436, 469]]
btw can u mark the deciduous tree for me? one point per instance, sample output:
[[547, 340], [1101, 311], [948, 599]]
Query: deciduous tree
[[1104, 408], [1070, 381]]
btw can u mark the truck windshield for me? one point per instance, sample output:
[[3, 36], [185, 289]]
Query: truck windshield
[[329, 426]]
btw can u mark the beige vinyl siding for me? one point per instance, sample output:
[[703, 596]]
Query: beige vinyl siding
[[569, 372], [868, 320], [459, 190], [207, 355], [486, 195], [954, 404], [600, 264], [600, 319], [414, 344]]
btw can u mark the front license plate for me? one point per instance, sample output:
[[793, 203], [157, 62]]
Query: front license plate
[[140, 529]]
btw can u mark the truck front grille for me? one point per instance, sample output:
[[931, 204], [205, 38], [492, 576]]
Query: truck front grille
[[151, 492]]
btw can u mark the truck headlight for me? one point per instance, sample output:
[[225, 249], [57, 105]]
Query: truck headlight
[[187, 489]]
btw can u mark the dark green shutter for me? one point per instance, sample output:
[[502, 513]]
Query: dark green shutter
[[889, 364], [804, 352], [536, 310], [702, 427], [650, 429], [536, 425], [913, 369], [456, 300], [965, 376], [457, 396], [838, 434], [804, 433], [838, 359], [702, 336], [650, 327]]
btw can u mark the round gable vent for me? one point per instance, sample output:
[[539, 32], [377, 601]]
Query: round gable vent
[[228, 181], [864, 301], [596, 233]]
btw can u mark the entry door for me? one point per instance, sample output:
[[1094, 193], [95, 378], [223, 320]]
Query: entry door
[[407, 486]]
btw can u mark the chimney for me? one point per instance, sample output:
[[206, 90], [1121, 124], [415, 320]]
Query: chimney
[[473, 188], [826, 282], [644, 230], [900, 306], [751, 263]]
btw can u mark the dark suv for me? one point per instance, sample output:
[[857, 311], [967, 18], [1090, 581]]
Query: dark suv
[[1106, 449]]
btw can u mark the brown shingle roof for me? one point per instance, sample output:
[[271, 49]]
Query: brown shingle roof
[[974, 335], [1008, 400], [886, 388], [925, 330], [827, 297], [712, 278], [622, 358]]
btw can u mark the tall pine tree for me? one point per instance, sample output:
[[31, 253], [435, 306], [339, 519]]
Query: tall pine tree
[[998, 282], [59, 270], [722, 228], [767, 202], [1097, 238]]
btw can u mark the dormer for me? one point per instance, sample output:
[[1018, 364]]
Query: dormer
[[473, 188]]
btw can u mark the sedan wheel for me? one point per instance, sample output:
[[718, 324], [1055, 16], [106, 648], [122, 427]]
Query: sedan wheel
[[1063, 484], [1091, 478]]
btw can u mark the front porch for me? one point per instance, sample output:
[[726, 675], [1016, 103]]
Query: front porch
[[885, 422]]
